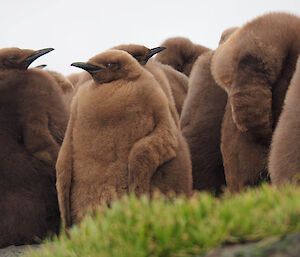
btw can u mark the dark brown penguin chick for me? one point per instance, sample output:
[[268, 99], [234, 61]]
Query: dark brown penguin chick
[[254, 66], [33, 119], [165, 74], [284, 161], [181, 53], [120, 132], [201, 121]]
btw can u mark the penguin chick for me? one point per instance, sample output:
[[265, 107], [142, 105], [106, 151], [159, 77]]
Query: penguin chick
[[284, 163], [120, 132], [168, 78], [32, 124], [182, 162], [181, 53], [255, 67], [201, 121]]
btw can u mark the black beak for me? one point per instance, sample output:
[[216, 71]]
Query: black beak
[[86, 66], [42, 66], [154, 51], [36, 55]]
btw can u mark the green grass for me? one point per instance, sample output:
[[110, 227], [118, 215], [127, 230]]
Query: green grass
[[180, 227]]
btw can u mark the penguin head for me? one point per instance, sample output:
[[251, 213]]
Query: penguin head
[[110, 66], [141, 53], [181, 54], [226, 34], [16, 58]]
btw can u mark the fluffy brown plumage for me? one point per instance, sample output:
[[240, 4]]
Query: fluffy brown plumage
[[120, 132], [226, 34], [178, 83], [201, 121], [172, 82], [79, 78], [201, 124], [65, 85], [284, 161], [254, 66], [181, 53], [166, 76], [33, 119]]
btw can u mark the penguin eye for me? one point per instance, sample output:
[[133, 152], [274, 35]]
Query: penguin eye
[[110, 64], [12, 59]]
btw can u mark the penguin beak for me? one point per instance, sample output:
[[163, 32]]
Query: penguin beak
[[42, 66], [86, 66], [154, 51], [36, 55]]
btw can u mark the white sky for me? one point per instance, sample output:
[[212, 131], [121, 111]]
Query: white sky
[[80, 29]]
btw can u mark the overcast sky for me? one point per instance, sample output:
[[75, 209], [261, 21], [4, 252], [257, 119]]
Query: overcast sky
[[80, 29]]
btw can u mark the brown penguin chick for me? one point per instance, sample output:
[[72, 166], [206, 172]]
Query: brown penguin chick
[[165, 74], [32, 124], [120, 132], [254, 66], [201, 121], [181, 53], [284, 162], [168, 78]]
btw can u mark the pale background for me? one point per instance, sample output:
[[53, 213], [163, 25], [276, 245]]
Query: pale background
[[80, 29]]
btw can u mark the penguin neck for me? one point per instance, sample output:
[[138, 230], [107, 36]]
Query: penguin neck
[[11, 78]]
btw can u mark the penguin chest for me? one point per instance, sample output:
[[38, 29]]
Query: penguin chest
[[102, 139]]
